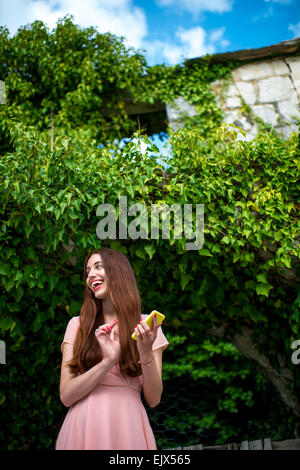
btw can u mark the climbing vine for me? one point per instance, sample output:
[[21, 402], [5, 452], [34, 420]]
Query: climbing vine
[[232, 306]]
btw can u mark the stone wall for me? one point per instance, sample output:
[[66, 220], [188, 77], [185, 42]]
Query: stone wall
[[270, 89]]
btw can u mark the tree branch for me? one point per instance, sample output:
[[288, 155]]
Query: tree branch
[[283, 380]]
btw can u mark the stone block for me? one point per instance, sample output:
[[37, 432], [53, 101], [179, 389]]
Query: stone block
[[236, 74], [177, 111], [297, 86], [232, 91], [287, 130], [248, 137], [247, 91], [288, 109], [275, 89], [236, 118], [267, 113], [255, 71], [280, 67], [294, 64], [231, 117], [233, 102]]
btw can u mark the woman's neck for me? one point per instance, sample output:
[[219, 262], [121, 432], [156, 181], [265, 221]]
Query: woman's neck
[[108, 311]]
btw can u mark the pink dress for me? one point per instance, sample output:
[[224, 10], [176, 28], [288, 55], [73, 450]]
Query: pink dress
[[112, 415]]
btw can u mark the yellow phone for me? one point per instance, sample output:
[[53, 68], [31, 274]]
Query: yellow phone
[[149, 320]]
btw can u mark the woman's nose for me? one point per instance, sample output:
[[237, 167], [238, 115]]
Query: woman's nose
[[91, 274]]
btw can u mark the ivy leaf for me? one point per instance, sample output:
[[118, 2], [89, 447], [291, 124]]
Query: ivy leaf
[[7, 324], [57, 212], [204, 252], [37, 206], [140, 253], [72, 214], [19, 294], [150, 250], [28, 229], [185, 278], [38, 321], [257, 316], [130, 190], [263, 289], [52, 280], [4, 269], [262, 277], [116, 245], [69, 164]]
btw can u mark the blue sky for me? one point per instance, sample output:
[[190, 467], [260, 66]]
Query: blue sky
[[170, 30]]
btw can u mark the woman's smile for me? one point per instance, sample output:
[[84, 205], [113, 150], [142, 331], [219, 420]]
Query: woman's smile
[[97, 284]]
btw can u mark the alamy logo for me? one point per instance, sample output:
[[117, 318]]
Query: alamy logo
[[296, 354], [139, 227], [2, 352], [2, 92]]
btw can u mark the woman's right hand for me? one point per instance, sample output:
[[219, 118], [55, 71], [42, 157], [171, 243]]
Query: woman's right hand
[[108, 339]]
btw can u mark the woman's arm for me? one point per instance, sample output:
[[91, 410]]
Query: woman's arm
[[151, 362], [152, 377], [72, 388]]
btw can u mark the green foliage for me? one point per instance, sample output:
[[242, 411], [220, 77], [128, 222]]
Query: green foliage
[[243, 275], [78, 76]]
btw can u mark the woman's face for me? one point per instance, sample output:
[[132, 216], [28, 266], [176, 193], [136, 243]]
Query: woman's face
[[96, 279]]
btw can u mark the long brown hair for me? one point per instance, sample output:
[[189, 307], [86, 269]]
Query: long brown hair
[[125, 297]]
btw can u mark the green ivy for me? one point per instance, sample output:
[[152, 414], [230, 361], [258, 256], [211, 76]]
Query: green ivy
[[78, 82]]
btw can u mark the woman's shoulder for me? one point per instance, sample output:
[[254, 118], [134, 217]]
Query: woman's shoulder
[[75, 319], [74, 322], [71, 331]]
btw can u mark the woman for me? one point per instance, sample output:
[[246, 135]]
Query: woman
[[103, 369]]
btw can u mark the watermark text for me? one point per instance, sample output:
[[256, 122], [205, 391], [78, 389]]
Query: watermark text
[[138, 228]]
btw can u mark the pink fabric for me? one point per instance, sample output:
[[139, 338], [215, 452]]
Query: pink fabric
[[112, 415]]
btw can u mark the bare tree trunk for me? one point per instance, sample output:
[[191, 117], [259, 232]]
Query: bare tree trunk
[[283, 380]]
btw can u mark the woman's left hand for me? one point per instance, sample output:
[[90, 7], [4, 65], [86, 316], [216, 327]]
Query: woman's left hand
[[146, 337]]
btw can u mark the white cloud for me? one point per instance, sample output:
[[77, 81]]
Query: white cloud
[[197, 6], [122, 18], [282, 2], [119, 17], [189, 43], [267, 14], [217, 34], [295, 28], [193, 42]]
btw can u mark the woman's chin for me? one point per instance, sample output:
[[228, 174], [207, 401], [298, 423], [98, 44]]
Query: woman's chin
[[100, 295]]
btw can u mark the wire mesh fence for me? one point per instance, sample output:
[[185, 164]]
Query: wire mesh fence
[[175, 421]]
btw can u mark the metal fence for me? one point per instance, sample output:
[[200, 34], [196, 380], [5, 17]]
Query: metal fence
[[177, 423], [259, 444]]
